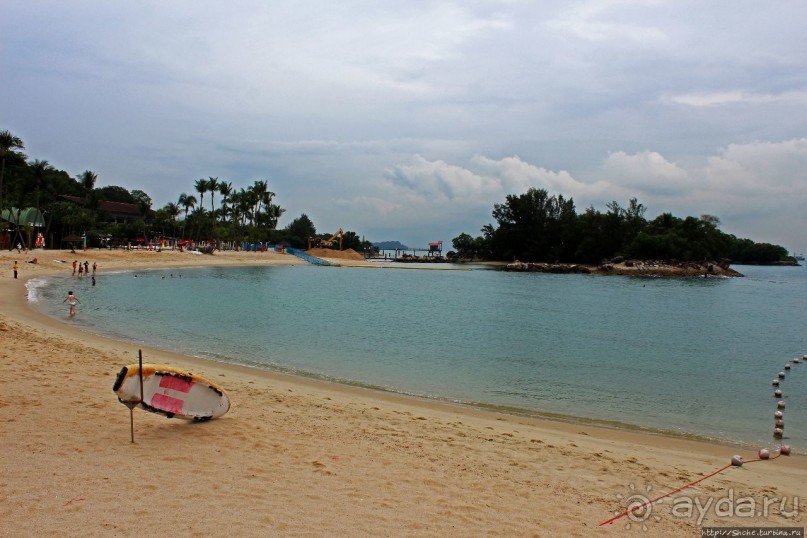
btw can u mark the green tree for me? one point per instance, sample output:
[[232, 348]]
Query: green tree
[[87, 180], [299, 230], [114, 193], [201, 188], [9, 144], [172, 210], [143, 200], [225, 189], [531, 226], [212, 187], [463, 244], [186, 201], [39, 168]]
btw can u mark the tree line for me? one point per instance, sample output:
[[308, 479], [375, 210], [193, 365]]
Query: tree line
[[533, 226], [537, 227], [73, 207]]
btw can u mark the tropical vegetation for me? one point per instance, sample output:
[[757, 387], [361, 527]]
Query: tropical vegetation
[[533, 226], [537, 227], [212, 212]]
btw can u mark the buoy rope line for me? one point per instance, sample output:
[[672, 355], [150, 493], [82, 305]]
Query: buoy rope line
[[736, 460]]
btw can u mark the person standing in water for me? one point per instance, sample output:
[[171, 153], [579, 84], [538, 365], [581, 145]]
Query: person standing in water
[[71, 300]]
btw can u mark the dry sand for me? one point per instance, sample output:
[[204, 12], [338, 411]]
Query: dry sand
[[299, 457]]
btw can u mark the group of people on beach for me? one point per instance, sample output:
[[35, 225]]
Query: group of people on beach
[[84, 269], [79, 269]]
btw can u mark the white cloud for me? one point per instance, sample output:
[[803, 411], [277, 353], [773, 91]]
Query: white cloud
[[776, 172], [443, 182], [738, 96], [648, 172], [605, 21]]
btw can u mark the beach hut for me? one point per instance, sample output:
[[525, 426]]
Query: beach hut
[[72, 239]]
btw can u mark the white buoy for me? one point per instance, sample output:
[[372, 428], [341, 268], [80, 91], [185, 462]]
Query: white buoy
[[780, 423], [764, 454], [784, 450], [775, 382], [796, 360], [777, 393], [737, 461], [777, 433], [781, 375], [780, 404], [787, 366], [778, 414]]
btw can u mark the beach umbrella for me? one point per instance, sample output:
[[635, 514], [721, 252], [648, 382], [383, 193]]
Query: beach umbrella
[[72, 238]]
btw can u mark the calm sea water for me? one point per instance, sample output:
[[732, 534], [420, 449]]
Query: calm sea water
[[692, 356]]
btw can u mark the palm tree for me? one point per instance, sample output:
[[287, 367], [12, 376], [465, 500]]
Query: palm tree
[[212, 187], [250, 201], [201, 188], [173, 211], [225, 189], [266, 199], [8, 143], [88, 179], [186, 201], [39, 168], [259, 189]]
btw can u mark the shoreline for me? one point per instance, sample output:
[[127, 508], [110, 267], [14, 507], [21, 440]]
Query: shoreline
[[511, 411], [316, 456]]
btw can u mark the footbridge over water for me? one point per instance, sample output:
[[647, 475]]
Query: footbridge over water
[[309, 258]]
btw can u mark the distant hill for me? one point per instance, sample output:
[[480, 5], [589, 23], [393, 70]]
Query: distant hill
[[390, 245]]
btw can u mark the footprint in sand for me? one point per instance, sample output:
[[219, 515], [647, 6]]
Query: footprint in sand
[[319, 467]]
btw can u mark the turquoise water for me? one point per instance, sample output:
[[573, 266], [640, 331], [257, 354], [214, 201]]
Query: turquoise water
[[692, 356]]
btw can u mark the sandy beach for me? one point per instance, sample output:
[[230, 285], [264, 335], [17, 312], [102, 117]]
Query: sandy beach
[[296, 456]]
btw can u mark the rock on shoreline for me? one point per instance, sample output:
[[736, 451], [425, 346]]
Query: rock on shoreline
[[667, 268]]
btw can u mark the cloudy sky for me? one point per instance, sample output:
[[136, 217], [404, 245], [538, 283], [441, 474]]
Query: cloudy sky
[[409, 119]]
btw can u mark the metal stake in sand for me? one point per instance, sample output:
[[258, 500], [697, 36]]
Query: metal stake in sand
[[131, 404]]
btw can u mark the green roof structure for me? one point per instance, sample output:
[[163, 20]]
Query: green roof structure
[[24, 217]]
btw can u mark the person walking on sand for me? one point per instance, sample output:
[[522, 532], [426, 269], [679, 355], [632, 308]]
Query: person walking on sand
[[94, 266], [15, 268], [75, 262], [80, 270], [71, 300]]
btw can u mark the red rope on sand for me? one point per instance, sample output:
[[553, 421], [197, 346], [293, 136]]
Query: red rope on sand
[[649, 502]]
